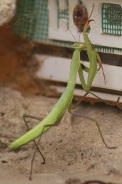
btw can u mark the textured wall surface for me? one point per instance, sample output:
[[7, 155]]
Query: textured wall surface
[[7, 10]]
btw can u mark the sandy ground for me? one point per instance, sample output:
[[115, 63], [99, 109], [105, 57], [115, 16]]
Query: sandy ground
[[73, 149]]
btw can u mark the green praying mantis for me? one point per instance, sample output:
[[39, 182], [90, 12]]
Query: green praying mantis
[[65, 101]]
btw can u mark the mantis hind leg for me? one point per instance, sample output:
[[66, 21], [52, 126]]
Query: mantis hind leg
[[37, 143], [28, 128], [72, 111]]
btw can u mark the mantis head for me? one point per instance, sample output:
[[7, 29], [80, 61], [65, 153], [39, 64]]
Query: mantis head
[[87, 25], [88, 21]]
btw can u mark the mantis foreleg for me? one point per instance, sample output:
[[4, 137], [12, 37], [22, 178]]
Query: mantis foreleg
[[90, 49], [91, 74]]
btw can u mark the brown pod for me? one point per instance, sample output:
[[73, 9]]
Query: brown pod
[[80, 16]]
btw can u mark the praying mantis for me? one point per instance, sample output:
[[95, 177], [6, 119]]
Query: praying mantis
[[65, 101]]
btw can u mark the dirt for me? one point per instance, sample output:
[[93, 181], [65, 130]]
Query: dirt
[[74, 146], [74, 149]]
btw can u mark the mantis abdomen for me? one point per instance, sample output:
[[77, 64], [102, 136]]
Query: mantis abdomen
[[58, 110]]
